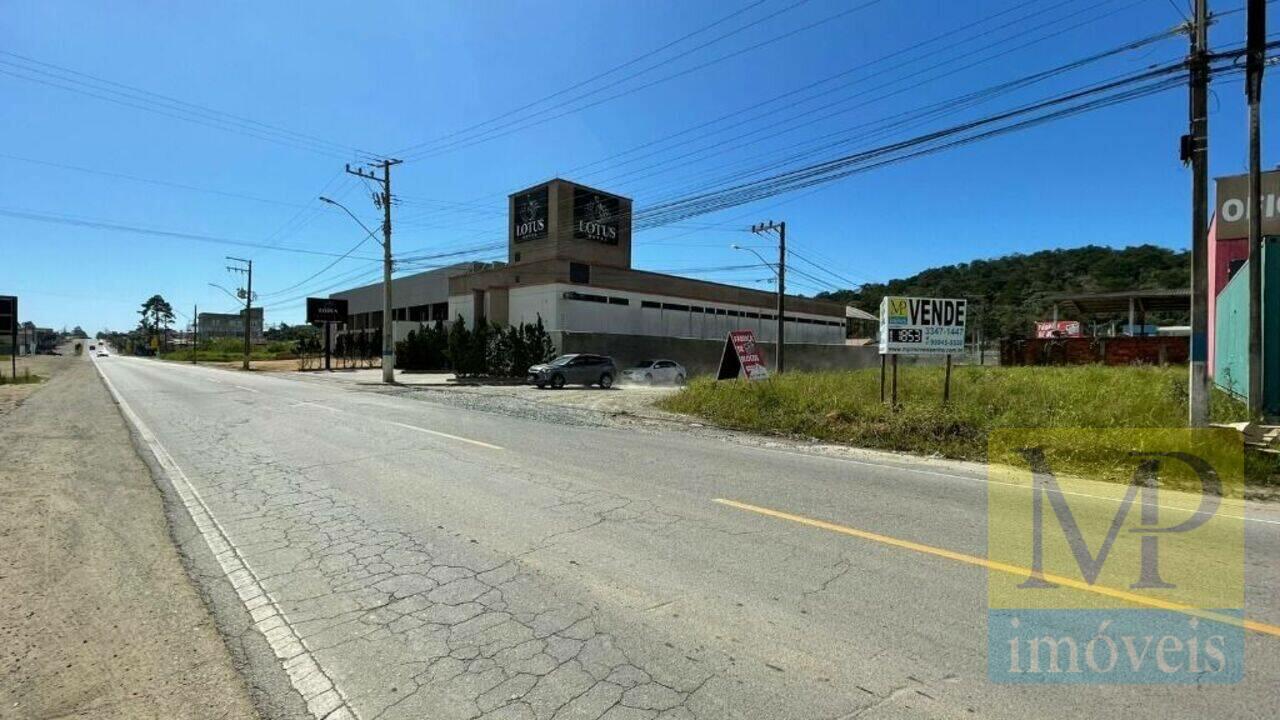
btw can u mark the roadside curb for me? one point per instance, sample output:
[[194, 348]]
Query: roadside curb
[[315, 686]]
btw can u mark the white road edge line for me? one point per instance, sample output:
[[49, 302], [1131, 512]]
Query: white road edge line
[[324, 700], [445, 435], [248, 389]]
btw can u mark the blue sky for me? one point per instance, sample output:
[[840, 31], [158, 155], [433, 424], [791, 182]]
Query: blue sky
[[388, 76]]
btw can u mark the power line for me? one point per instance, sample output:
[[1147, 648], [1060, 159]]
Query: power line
[[593, 78], [523, 124], [931, 111], [46, 73], [59, 219]]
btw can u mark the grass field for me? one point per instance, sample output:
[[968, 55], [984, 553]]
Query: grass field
[[845, 407], [25, 377]]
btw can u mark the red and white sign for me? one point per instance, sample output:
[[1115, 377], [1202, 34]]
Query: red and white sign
[[1059, 329], [744, 345]]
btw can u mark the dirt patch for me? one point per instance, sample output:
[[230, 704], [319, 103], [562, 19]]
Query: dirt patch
[[98, 617]]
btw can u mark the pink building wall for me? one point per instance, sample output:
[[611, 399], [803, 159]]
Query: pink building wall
[[1222, 252]]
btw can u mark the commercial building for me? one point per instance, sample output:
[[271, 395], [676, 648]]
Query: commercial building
[[569, 263], [219, 325], [1228, 331]]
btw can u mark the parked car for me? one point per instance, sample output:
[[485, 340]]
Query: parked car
[[651, 372], [576, 369]]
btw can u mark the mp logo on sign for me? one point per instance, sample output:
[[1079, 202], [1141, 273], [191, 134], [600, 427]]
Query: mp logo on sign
[[1134, 582]]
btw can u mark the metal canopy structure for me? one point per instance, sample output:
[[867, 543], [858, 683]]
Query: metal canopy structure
[[1127, 301]]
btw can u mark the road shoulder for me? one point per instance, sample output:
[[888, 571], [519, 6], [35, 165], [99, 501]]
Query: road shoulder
[[99, 617]]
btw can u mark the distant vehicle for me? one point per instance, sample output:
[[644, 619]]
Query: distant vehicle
[[93, 347], [102, 353], [651, 372], [576, 369]]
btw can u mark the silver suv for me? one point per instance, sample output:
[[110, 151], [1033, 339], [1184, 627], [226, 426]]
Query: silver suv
[[577, 369]]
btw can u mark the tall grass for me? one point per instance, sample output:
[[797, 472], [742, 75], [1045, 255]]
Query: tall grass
[[23, 378], [845, 407]]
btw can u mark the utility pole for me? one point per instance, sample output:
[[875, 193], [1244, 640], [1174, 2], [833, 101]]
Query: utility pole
[[1195, 149], [781, 229], [384, 201], [195, 332], [248, 304], [1255, 49]]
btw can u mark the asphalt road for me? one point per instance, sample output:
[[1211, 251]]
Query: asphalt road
[[410, 560]]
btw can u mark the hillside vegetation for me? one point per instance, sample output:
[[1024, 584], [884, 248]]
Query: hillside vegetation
[[1007, 293]]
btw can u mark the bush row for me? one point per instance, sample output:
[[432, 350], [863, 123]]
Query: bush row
[[489, 349]]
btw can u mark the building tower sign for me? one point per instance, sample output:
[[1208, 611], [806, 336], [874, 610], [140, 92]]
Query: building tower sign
[[595, 216], [529, 221]]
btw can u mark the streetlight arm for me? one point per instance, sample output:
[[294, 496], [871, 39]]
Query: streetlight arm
[[228, 292], [766, 263], [353, 217]]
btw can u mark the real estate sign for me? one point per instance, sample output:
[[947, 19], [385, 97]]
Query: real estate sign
[[741, 357], [921, 326]]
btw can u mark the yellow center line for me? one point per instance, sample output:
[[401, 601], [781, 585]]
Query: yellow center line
[[1016, 570]]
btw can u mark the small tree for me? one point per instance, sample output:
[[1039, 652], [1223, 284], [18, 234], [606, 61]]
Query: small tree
[[538, 343], [459, 347]]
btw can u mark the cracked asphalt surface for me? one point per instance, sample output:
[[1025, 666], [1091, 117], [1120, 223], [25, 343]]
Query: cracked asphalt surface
[[438, 561]]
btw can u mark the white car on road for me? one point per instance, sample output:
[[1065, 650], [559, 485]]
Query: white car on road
[[652, 372]]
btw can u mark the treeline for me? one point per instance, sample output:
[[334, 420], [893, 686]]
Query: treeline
[[489, 349], [1007, 294]]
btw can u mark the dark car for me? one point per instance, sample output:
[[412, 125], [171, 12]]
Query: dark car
[[577, 369]]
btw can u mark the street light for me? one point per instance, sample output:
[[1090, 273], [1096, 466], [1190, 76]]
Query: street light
[[764, 262], [230, 294], [388, 339]]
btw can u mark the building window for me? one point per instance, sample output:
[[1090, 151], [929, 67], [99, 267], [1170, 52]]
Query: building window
[[675, 306], [585, 297], [579, 273], [650, 305], [619, 301], [517, 259]]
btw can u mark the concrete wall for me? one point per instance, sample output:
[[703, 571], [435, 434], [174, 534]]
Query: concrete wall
[[703, 356]]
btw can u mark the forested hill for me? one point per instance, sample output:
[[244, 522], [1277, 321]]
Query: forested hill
[[1011, 288]]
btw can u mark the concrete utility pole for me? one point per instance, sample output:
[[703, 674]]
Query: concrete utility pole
[[1255, 49], [195, 332], [384, 201], [1195, 149], [248, 304], [781, 229]]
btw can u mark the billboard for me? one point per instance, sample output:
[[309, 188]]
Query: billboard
[[326, 310], [596, 216], [8, 314], [1058, 329], [921, 326], [741, 356], [1232, 205], [529, 215]]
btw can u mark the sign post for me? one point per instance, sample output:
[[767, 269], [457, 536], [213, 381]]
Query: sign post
[[741, 356], [9, 324], [921, 326], [327, 311]]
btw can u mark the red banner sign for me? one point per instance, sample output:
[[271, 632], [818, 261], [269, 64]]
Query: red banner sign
[[1059, 329], [742, 356]]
